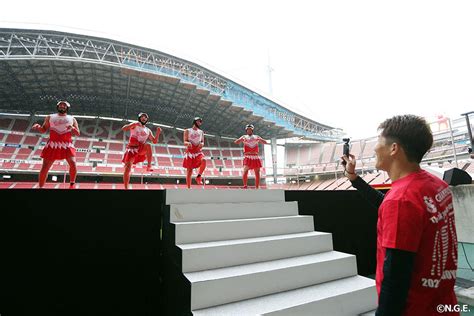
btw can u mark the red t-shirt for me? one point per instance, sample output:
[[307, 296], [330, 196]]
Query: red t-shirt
[[417, 215]]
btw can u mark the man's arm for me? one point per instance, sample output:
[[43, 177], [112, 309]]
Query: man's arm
[[75, 128], [239, 140], [373, 196], [397, 270], [262, 141], [186, 139], [130, 126], [201, 144], [154, 139], [42, 128]]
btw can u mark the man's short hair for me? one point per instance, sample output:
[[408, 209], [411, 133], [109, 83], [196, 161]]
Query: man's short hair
[[411, 132]]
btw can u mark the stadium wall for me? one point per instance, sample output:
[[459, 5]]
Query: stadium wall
[[463, 200]]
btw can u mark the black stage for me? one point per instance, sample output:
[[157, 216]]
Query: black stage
[[100, 252]]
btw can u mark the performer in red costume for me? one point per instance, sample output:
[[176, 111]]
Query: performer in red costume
[[193, 157], [137, 148], [59, 146], [251, 158]]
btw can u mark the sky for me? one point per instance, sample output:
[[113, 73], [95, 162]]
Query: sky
[[347, 64]]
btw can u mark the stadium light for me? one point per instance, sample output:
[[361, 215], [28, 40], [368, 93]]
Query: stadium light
[[6, 176], [85, 116]]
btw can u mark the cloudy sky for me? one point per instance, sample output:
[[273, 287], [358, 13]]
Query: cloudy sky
[[349, 64]]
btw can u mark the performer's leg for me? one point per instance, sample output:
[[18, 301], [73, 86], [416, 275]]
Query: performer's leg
[[257, 177], [148, 157], [245, 176], [72, 170], [201, 170], [126, 174], [189, 173], [202, 166], [44, 171]]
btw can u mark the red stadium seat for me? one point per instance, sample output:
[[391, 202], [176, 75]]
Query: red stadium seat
[[175, 151], [20, 125], [13, 139], [161, 150], [84, 144], [103, 169], [116, 146], [31, 140], [5, 123]]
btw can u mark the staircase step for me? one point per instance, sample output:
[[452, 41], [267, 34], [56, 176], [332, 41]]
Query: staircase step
[[347, 296], [218, 254], [197, 196], [220, 286], [222, 211], [203, 231]]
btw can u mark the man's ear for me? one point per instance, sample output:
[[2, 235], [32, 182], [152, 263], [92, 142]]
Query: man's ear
[[395, 149]]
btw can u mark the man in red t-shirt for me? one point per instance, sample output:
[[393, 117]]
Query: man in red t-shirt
[[416, 232]]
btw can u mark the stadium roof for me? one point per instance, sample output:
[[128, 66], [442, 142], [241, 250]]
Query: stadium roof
[[108, 78]]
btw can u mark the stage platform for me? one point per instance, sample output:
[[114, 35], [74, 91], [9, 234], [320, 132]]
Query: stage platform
[[113, 186], [105, 252]]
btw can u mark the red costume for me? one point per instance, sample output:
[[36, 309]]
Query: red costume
[[137, 140], [251, 158], [193, 154], [59, 145]]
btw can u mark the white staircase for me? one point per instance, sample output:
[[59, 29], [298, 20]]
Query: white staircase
[[248, 252]]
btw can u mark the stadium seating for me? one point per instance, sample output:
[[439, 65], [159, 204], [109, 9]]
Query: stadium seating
[[100, 149], [101, 145]]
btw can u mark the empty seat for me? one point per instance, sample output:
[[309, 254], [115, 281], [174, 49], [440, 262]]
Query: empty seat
[[13, 139], [31, 140], [20, 125], [175, 151], [104, 169], [5, 123], [161, 150], [84, 144], [116, 146]]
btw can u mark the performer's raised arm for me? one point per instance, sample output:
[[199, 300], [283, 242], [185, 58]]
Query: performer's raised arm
[[130, 126], [155, 138]]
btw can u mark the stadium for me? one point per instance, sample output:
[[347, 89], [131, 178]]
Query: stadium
[[108, 83]]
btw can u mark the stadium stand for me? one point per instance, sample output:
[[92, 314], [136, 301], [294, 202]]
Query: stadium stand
[[308, 166], [100, 149]]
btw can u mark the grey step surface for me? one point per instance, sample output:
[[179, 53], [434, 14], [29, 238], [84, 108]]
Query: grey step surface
[[222, 211], [193, 232], [199, 196], [218, 254], [220, 286], [348, 296]]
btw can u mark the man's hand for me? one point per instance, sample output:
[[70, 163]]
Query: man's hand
[[36, 126], [349, 171], [158, 130]]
